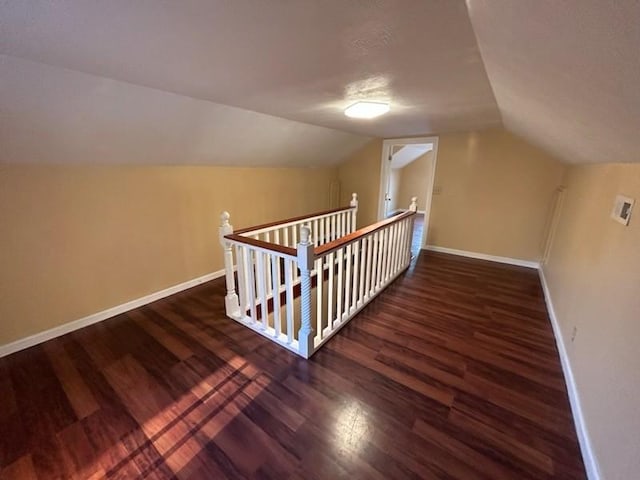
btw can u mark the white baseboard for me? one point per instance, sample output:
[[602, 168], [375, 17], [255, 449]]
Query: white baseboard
[[590, 462], [484, 256], [103, 315]]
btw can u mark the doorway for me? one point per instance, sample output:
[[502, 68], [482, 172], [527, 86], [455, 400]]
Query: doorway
[[408, 169]]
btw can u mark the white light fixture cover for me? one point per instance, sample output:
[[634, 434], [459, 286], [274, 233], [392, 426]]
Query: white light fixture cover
[[366, 109]]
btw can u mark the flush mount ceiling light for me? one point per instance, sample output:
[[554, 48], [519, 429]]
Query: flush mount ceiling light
[[366, 109]]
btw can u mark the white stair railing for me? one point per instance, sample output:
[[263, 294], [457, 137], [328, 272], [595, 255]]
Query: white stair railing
[[300, 297]]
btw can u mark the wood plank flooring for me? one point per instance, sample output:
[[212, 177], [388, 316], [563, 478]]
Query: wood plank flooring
[[451, 373]]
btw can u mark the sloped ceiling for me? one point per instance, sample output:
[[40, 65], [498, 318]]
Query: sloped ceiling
[[53, 115], [304, 60], [408, 153], [177, 74], [566, 74]]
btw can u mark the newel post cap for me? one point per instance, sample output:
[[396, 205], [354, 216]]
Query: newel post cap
[[305, 234]]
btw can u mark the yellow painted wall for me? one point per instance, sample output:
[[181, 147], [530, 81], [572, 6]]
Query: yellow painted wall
[[497, 192], [593, 275], [77, 240], [413, 181], [360, 173]]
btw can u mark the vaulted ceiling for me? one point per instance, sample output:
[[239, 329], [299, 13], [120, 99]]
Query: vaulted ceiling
[[566, 74], [562, 74]]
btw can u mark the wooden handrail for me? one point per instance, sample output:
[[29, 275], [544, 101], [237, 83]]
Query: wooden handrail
[[290, 220], [292, 252], [327, 248], [352, 237]]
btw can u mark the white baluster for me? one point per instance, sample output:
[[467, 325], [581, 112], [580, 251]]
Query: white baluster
[[276, 236], [383, 257], [411, 225], [323, 239], [379, 259], [354, 211], [386, 249], [343, 218], [389, 252], [402, 245], [275, 274], [408, 239], [340, 255], [319, 285], [394, 248], [288, 280], [251, 282], [363, 270], [369, 268], [232, 307], [403, 241], [333, 227], [348, 280], [262, 290], [316, 232], [285, 232], [356, 274], [330, 289], [267, 274], [305, 264], [242, 279]]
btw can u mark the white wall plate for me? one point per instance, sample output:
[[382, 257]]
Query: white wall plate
[[622, 209]]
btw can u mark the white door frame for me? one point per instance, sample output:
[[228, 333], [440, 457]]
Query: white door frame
[[385, 171]]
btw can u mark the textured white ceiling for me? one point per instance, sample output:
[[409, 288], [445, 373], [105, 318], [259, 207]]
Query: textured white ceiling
[[566, 74], [303, 60], [53, 115]]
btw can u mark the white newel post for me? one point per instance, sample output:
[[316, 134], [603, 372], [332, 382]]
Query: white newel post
[[305, 264], [354, 212], [232, 306], [414, 208]]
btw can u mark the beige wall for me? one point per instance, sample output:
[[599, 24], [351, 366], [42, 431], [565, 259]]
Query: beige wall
[[360, 173], [413, 181], [496, 195], [77, 240], [593, 275], [497, 192]]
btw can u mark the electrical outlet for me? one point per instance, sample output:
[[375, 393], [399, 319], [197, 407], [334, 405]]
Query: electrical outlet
[[574, 333]]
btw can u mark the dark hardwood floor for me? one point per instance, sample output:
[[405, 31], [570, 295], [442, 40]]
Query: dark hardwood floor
[[451, 373]]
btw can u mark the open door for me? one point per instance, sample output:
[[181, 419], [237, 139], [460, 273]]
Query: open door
[[399, 179]]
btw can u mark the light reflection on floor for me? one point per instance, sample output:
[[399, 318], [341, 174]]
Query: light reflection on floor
[[352, 427]]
